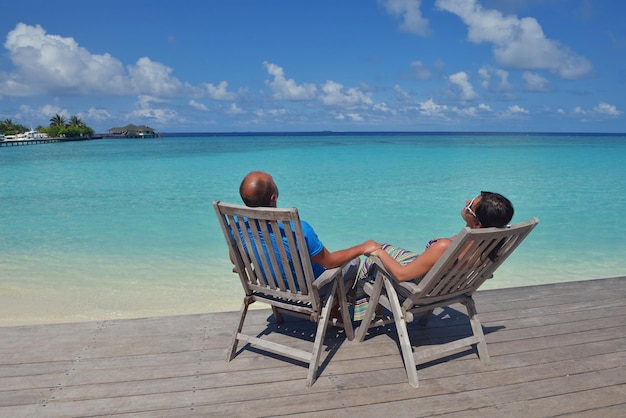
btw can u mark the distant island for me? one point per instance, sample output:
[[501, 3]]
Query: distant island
[[74, 127], [59, 127]]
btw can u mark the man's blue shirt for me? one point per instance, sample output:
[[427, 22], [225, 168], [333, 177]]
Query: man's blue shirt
[[313, 243]]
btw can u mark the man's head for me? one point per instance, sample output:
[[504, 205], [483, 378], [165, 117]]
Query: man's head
[[258, 189]]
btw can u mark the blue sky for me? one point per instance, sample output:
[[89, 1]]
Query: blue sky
[[312, 65]]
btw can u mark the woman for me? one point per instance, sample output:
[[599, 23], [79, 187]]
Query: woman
[[485, 210]]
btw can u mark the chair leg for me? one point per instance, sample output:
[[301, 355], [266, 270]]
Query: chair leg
[[278, 317], [403, 334], [477, 329], [242, 316], [423, 321], [371, 306], [343, 306], [322, 326]]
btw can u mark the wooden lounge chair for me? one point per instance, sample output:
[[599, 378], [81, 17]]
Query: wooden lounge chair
[[284, 282], [471, 259]]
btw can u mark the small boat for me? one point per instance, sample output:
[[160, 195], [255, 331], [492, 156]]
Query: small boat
[[30, 135]]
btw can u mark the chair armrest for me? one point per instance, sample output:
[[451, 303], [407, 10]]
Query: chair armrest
[[328, 276], [411, 286]]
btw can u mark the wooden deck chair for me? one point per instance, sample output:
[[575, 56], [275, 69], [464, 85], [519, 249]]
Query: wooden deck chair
[[471, 259], [282, 277]]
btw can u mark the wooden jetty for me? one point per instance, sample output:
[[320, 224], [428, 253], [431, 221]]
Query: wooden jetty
[[556, 350], [19, 142]]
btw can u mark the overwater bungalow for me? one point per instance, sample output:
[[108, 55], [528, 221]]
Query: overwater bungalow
[[132, 131]]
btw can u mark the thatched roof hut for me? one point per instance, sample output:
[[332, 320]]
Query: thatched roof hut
[[133, 131]]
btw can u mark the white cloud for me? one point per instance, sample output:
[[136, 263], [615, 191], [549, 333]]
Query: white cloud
[[330, 93], [409, 12], [333, 94], [153, 78], [486, 74], [45, 112], [383, 107], [287, 89], [151, 108], [51, 110], [277, 112], [517, 110], [158, 115], [420, 71], [220, 92], [430, 108], [147, 101], [473, 111], [601, 110], [504, 81], [486, 77], [355, 117], [517, 43], [52, 64], [98, 114], [401, 95], [460, 79], [535, 82], [198, 106], [233, 109], [607, 109]]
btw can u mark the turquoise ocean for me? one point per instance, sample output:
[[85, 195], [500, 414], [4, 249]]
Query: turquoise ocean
[[122, 228]]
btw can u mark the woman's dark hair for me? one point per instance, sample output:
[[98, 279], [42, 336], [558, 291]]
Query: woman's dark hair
[[494, 210]]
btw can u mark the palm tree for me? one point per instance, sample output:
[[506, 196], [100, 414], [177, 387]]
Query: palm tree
[[77, 122], [8, 125], [57, 120]]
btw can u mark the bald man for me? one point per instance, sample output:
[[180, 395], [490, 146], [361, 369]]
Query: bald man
[[258, 189]]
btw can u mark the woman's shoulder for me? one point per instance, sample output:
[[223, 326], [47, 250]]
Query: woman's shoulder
[[440, 242]]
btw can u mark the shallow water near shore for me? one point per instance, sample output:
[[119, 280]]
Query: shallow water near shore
[[110, 229]]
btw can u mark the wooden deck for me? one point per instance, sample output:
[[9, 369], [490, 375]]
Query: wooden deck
[[556, 350]]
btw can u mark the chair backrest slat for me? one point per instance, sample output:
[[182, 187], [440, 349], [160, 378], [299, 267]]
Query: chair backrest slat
[[265, 248], [300, 259], [470, 260], [244, 241], [269, 250]]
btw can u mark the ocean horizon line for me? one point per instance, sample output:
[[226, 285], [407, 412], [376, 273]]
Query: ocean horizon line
[[393, 133]]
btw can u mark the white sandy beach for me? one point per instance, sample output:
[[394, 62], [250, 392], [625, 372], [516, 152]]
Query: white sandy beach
[[64, 304]]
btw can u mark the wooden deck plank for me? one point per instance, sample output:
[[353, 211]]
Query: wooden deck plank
[[593, 403], [555, 350]]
